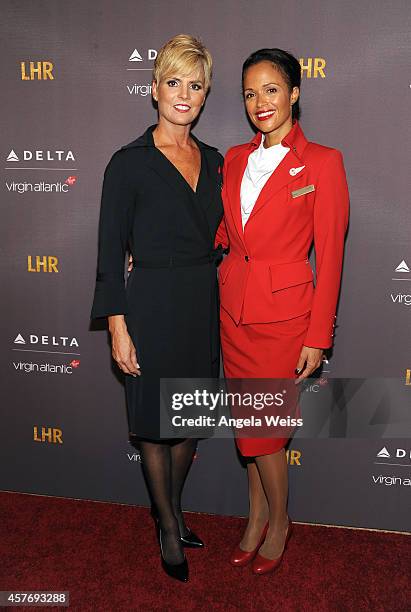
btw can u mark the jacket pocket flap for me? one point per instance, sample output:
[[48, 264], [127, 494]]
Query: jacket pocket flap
[[290, 274]]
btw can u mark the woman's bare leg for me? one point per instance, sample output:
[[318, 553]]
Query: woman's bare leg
[[258, 514], [274, 477]]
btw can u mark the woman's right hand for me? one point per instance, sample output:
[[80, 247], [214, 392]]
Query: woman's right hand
[[123, 350]]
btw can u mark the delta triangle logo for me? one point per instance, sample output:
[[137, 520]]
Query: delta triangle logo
[[135, 57], [12, 157], [384, 453], [19, 339], [402, 267]]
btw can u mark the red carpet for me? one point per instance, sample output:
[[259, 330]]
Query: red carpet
[[107, 556]]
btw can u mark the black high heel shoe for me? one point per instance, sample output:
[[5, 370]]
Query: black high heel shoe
[[190, 540], [177, 571]]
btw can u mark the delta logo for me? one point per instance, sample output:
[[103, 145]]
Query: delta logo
[[398, 453], [402, 273], [135, 56], [139, 61], [43, 340], [403, 268], [40, 155]]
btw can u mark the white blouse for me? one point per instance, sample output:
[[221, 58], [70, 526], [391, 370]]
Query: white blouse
[[261, 164]]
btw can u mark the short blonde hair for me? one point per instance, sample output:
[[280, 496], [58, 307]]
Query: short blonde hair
[[183, 54]]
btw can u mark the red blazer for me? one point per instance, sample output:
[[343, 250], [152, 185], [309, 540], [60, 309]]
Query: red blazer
[[266, 276]]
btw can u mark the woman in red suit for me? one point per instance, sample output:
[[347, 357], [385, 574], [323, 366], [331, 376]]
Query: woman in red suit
[[280, 194]]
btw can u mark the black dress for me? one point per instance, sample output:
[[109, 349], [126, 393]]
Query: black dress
[[170, 301]]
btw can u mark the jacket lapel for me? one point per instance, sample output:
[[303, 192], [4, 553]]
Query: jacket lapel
[[206, 189], [165, 170], [159, 163], [285, 173], [162, 166], [280, 178]]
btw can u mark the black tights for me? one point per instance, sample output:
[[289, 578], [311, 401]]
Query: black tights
[[165, 466]]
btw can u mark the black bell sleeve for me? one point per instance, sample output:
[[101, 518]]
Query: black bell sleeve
[[116, 212]]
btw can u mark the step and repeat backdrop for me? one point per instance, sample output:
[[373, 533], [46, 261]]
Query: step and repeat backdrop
[[76, 85]]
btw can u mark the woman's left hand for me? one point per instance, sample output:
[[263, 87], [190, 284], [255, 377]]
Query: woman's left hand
[[310, 359]]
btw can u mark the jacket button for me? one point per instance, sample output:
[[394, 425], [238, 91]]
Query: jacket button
[[246, 258]]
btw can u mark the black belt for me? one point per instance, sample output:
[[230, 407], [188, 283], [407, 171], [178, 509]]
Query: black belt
[[177, 262]]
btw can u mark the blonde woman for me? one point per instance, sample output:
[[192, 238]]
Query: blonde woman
[[161, 202]]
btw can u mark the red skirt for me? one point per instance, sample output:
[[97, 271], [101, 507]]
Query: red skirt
[[262, 350]]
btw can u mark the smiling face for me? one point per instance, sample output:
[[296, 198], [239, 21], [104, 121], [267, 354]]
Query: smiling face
[[268, 100], [180, 98]]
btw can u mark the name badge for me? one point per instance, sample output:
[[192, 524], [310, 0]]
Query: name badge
[[302, 191]]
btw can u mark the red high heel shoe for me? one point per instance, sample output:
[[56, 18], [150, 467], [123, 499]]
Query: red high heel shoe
[[240, 557], [261, 565]]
